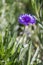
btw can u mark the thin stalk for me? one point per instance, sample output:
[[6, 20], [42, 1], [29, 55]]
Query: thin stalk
[[3, 10], [29, 54], [35, 55]]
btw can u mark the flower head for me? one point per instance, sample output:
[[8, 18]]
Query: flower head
[[27, 19]]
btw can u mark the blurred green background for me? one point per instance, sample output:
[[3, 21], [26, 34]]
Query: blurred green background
[[21, 45]]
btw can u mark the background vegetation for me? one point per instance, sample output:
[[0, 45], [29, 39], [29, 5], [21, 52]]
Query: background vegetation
[[21, 45]]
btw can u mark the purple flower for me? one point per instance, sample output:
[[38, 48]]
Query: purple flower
[[27, 19]]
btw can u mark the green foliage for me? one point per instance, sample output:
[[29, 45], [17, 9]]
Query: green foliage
[[17, 47]]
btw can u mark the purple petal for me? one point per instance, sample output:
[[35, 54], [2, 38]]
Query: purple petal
[[26, 19]]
